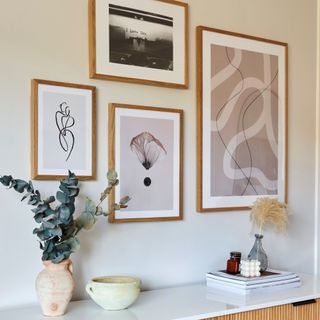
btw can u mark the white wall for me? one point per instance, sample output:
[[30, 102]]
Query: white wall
[[48, 40]]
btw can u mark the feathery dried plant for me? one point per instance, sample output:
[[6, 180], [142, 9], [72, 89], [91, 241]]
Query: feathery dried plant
[[269, 212]]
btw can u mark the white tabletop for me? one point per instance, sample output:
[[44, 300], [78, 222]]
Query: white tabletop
[[191, 302]]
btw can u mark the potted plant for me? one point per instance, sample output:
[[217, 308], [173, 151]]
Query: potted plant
[[266, 212], [57, 234]]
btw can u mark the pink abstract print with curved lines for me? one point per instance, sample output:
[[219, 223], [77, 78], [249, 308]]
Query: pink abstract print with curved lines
[[244, 122]]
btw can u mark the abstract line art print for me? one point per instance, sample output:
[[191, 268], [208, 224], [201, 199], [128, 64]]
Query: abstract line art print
[[65, 122], [63, 130], [243, 120], [145, 149]]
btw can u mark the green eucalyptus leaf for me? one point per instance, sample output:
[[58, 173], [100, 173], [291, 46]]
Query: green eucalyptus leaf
[[64, 214], [30, 187], [62, 197], [73, 244], [50, 212], [64, 189], [56, 258], [90, 206], [38, 217], [87, 218], [112, 175], [45, 256], [35, 198], [6, 180], [26, 196], [50, 200], [49, 246], [124, 200], [71, 180], [85, 221], [72, 207], [73, 191], [20, 185], [56, 232], [52, 219], [46, 234], [40, 208], [48, 225]]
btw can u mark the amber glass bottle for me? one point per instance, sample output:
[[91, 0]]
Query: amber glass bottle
[[233, 264]]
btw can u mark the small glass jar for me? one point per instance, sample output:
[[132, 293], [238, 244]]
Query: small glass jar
[[233, 264]]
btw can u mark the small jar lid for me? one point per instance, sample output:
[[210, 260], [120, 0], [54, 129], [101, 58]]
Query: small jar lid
[[235, 254]]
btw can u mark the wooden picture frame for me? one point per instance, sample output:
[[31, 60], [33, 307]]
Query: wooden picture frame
[[242, 94], [146, 149], [63, 125], [143, 42]]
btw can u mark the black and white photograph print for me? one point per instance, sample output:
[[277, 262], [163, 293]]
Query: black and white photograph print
[[63, 130], [140, 38], [139, 41]]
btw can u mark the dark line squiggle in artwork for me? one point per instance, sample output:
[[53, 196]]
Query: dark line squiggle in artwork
[[260, 93], [218, 116], [243, 126], [64, 122]]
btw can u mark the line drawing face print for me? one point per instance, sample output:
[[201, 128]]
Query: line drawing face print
[[65, 122], [148, 150]]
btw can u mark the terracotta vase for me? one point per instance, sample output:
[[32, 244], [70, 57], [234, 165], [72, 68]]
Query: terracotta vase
[[54, 286]]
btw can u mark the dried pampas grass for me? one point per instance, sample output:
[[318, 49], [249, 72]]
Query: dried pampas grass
[[269, 212]]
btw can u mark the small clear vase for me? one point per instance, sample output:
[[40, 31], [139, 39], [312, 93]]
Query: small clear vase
[[257, 253]]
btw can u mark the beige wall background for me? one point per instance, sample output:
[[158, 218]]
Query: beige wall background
[[48, 40]]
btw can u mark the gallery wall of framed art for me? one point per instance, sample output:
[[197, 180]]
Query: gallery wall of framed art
[[242, 120], [146, 149], [241, 112], [142, 41]]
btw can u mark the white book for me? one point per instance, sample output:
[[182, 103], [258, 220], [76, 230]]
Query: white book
[[267, 276], [211, 281], [252, 283], [271, 288]]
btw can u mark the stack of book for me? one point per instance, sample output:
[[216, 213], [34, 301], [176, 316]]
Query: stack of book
[[270, 280]]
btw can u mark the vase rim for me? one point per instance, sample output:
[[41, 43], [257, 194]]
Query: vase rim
[[63, 262], [258, 235]]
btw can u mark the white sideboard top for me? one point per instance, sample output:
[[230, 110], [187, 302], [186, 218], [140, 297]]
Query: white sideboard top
[[191, 302]]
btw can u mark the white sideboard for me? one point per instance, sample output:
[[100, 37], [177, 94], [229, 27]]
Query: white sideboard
[[192, 302]]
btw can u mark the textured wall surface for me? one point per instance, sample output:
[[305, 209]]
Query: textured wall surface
[[48, 40]]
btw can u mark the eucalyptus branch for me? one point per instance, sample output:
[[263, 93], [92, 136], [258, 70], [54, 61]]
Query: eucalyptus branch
[[58, 230], [92, 211]]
